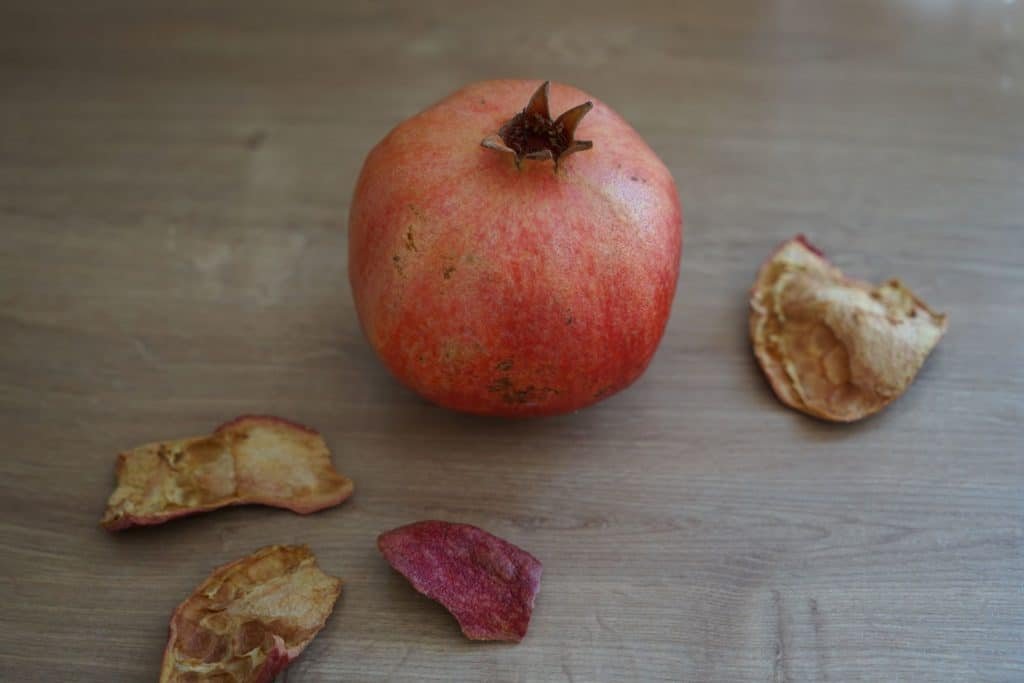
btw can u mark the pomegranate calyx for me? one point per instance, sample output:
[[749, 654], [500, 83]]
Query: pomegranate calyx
[[533, 134]]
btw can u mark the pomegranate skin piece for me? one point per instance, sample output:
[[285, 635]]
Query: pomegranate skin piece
[[532, 282]]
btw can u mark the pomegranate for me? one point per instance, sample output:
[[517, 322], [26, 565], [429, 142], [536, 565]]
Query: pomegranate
[[502, 266]]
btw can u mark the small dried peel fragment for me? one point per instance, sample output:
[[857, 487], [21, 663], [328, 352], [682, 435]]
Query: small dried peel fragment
[[250, 618], [252, 459], [831, 346], [488, 584]]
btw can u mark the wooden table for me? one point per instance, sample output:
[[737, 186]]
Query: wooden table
[[173, 194]]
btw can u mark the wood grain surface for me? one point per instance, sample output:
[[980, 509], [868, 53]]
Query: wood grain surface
[[174, 185]]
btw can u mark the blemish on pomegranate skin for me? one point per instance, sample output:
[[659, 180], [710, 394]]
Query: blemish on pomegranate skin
[[512, 394], [447, 272], [450, 351], [505, 365], [410, 240], [501, 384]]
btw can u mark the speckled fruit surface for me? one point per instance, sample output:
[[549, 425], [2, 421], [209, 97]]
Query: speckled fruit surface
[[511, 291]]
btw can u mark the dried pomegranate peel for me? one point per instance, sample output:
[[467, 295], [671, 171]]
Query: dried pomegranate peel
[[252, 459], [488, 584], [250, 618], [832, 346]]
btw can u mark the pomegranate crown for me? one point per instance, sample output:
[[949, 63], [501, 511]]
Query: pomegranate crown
[[533, 134]]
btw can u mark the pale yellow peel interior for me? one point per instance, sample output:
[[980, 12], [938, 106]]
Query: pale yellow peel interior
[[269, 604], [835, 347], [251, 460]]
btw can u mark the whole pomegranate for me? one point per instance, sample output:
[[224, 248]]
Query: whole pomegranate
[[496, 271]]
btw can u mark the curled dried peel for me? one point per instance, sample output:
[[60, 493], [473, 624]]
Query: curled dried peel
[[488, 584], [250, 618], [835, 347], [252, 459]]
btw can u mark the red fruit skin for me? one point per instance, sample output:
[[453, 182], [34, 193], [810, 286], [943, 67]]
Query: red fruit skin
[[488, 584], [499, 291]]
